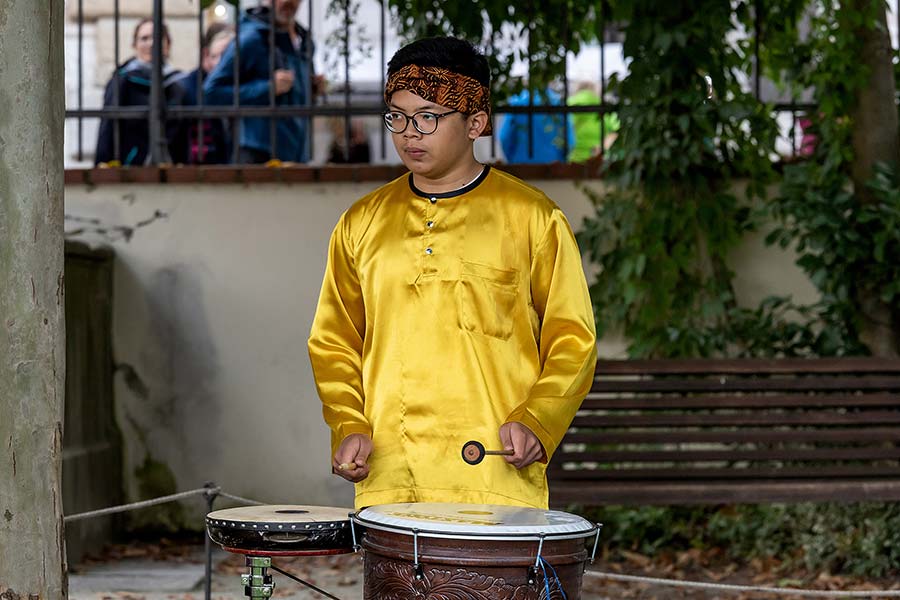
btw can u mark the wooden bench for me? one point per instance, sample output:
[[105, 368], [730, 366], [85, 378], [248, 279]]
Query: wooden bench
[[711, 431]]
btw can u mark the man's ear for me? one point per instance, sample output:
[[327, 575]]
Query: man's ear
[[476, 124]]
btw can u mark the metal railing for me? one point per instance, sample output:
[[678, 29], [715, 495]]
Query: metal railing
[[350, 99]]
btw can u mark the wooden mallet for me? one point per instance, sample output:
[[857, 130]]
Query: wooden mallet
[[473, 452]]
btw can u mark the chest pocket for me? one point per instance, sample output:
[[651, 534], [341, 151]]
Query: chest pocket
[[486, 299]]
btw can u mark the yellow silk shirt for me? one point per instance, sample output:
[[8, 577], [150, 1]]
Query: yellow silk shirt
[[442, 317]]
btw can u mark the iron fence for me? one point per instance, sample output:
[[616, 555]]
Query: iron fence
[[349, 99]]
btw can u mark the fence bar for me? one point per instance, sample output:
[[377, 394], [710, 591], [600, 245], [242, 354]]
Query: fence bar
[[273, 123], [158, 150], [117, 133], [236, 123]]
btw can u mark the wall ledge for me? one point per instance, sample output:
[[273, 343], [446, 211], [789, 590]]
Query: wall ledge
[[246, 174]]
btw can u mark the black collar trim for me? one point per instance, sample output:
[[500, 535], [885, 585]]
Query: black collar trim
[[454, 193]]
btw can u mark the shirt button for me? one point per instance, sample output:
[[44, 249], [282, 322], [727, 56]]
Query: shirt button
[[433, 200], [430, 224], [428, 251]]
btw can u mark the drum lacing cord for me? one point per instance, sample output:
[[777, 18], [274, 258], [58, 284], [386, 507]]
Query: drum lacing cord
[[544, 564], [748, 588]]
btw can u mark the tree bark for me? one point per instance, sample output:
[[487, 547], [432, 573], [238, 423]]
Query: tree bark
[[875, 139], [32, 350]]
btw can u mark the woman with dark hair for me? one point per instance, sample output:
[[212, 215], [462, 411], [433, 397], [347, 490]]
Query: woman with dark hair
[[130, 86]]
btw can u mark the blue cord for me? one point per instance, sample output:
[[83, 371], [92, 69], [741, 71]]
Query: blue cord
[[555, 578], [546, 581]]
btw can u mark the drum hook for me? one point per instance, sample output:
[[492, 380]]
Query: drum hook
[[356, 546], [417, 568], [596, 540], [532, 571]]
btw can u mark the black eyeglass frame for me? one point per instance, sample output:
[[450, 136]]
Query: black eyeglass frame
[[412, 119]]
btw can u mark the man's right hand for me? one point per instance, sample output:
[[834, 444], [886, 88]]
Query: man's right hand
[[351, 459], [284, 81]]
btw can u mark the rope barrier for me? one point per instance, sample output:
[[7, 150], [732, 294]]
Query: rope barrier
[[239, 499], [747, 588], [204, 491]]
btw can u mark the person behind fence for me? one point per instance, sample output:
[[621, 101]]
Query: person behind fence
[[208, 141], [454, 307], [590, 138], [548, 131], [130, 86], [358, 151], [293, 81]]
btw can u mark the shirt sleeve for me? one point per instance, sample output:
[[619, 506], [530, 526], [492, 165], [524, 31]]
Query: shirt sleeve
[[568, 339], [336, 341]]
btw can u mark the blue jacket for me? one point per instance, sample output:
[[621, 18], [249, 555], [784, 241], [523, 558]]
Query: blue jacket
[[547, 131], [291, 132]]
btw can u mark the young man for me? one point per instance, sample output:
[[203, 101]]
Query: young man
[[292, 81], [454, 307]]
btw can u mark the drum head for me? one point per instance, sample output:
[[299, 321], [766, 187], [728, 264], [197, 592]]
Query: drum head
[[284, 529], [483, 521]]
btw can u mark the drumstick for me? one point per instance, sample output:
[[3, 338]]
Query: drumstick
[[473, 452]]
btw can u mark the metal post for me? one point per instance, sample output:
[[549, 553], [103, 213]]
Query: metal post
[[210, 495], [80, 78], [347, 119], [236, 122], [273, 124], [159, 152], [382, 44]]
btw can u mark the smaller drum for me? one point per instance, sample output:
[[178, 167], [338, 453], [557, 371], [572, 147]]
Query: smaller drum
[[282, 530], [469, 551]]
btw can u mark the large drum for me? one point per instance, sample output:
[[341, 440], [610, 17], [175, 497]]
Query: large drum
[[471, 552], [282, 530]]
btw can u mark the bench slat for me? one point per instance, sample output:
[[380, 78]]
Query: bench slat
[[746, 492], [746, 384], [728, 474], [774, 419], [747, 366], [659, 402], [725, 454], [789, 436]]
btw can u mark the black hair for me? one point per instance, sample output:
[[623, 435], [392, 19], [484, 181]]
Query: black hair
[[449, 53]]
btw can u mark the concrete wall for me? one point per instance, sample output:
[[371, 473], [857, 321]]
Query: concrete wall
[[212, 308]]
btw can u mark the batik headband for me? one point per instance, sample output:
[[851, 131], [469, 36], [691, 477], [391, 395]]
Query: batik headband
[[442, 86]]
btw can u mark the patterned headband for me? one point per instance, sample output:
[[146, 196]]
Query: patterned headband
[[444, 87]]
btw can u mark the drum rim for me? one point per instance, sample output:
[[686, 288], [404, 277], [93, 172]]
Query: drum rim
[[273, 526], [508, 537]]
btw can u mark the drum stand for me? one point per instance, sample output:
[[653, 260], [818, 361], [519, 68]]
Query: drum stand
[[258, 584]]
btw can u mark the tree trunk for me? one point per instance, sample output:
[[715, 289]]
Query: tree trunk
[[875, 139], [32, 350]]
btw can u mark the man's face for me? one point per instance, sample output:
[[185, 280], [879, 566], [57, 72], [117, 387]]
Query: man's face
[[285, 11], [436, 154]]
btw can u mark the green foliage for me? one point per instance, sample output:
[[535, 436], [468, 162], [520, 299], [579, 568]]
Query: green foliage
[[668, 219], [539, 31], [848, 247], [861, 539]]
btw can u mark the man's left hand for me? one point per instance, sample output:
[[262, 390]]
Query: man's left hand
[[525, 445]]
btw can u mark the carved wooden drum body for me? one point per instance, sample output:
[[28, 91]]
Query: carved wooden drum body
[[440, 551], [282, 530]]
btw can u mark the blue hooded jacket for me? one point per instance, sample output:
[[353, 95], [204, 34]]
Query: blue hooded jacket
[[547, 131], [291, 132]]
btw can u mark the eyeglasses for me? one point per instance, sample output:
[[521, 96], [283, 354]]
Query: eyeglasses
[[424, 121]]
